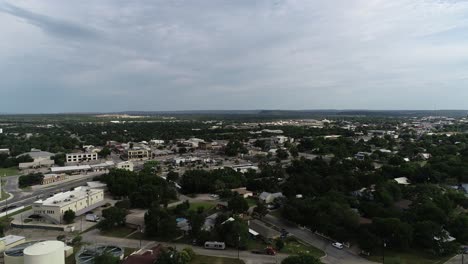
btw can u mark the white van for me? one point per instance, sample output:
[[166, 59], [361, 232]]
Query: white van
[[215, 245], [92, 218]]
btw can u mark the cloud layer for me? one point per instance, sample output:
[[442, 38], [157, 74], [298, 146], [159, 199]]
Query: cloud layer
[[115, 55]]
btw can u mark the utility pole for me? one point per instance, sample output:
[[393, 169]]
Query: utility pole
[[238, 245], [383, 252]]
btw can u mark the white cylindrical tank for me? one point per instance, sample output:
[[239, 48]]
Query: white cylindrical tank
[[46, 252]]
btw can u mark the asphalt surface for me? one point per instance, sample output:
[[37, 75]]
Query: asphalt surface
[[333, 255]]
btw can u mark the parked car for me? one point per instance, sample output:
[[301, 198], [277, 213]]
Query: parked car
[[338, 245], [265, 251]]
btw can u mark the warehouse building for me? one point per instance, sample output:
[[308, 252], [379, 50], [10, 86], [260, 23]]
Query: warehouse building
[[80, 200]]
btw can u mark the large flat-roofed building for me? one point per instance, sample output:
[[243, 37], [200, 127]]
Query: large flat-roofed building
[[80, 200], [137, 154], [79, 157]]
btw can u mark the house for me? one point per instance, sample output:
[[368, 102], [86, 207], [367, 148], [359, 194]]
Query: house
[[149, 256], [402, 181], [210, 222], [52, 177], [243, 192], [267, 197]]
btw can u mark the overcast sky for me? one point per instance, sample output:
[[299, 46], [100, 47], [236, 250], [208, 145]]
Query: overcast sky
[[117, 55]]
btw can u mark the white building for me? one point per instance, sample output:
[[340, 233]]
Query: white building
[[125, 165], [78, 157], [80, 200]]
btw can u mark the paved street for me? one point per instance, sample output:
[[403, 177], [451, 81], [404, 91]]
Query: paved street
[[458, 259], [93, 237], [333, 255], [25, 198]]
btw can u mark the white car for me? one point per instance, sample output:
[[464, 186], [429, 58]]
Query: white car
[[337, 245]]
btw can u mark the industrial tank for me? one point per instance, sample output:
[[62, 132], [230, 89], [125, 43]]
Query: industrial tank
[[45, 252], [15, 255]]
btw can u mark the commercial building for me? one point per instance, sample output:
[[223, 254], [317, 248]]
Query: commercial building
[[125, 165], [52, 177], [80, 200], [137, 154], [40, 159], [79, 157]]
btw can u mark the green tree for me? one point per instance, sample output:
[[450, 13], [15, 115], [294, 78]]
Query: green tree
[[279, 244], [237, 204], [104, 152], [260, 210], [282, 154], [173, 176], [160, 222], [113, 217], [69, 216]]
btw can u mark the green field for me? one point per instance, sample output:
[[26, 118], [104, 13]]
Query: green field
[[409, 257], [8, 171], [4, 195], [206, 205], [198, 259]]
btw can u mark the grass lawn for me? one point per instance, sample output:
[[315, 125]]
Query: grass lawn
[[276, 213], [4, 195], [198, 259], [409, 257], [8, 171], [294, 247], [118, 232], [206, 205], [255, 244]]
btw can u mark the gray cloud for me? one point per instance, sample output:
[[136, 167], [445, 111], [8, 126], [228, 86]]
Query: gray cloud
[[56, 27], [115, 55]]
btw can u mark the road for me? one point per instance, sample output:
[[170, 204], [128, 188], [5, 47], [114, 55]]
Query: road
[[458, 259], [94, 237], [333, 255], [24, 198]]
